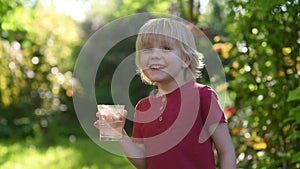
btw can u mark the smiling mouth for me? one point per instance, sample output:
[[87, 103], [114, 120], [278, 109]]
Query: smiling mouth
[[156, 67]]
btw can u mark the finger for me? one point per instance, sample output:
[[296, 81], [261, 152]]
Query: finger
[[97, 124], [125, 115], [98, 114], [106, 117]]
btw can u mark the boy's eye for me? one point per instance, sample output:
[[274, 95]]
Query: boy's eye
[[166, 48], [163, 48], [147, 49]]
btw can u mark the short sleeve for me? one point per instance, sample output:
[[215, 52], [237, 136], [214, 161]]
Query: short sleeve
[[210, 107]]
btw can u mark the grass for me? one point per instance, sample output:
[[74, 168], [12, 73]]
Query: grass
[[79, 154]]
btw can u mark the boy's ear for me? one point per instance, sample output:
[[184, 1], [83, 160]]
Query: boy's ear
[[187, 62]]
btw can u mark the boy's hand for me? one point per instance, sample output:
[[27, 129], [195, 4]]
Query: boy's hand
[[108, 115]]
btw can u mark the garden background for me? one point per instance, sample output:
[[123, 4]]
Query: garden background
[[257, 42]]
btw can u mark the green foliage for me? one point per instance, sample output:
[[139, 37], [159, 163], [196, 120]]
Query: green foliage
[[213, 17], [128, 7], [294, 95], [265, 65], [36, 55], [110, 10], [8, 6]]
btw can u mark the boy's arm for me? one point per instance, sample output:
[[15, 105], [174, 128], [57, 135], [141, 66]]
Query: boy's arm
[[134, 152], [224, 146]]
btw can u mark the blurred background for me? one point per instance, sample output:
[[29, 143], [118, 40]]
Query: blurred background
[[257, 42]]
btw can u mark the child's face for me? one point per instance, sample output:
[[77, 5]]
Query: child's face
[[161, 60]]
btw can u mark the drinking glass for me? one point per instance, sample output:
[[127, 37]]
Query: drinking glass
[[111, 122]]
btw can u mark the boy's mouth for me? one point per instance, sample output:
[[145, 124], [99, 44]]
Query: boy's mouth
[[156, 66]]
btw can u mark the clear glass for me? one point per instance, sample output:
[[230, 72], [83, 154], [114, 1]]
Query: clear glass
[[111, 122]]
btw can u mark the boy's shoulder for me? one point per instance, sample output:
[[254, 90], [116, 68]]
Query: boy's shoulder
[[202, 87], [205, 91]]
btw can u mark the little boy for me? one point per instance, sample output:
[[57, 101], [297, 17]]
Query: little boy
[[168, 123]]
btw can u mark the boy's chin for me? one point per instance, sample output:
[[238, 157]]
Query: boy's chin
[[161, 81]]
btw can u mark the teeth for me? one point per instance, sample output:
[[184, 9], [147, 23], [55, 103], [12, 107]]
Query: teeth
[[156, 66]]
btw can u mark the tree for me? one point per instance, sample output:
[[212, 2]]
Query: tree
[[265, 65], [37, 57]]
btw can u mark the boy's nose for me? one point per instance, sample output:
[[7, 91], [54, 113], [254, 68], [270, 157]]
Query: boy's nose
[[156, 53]]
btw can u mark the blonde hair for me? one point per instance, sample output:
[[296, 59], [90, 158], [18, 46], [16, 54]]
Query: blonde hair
[[169, 29]]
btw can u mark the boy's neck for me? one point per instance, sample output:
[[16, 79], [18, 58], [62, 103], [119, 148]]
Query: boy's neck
[[165, 88]]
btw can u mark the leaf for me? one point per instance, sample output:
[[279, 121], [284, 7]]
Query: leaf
[[294, 113], [296, 157], [297, 114], [294, 95]]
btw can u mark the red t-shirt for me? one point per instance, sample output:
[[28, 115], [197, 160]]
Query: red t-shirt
[[173, 127]]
